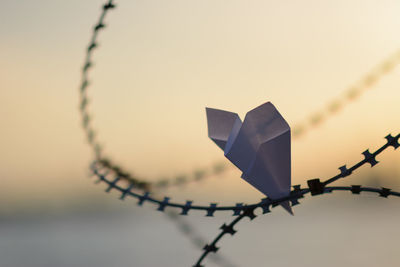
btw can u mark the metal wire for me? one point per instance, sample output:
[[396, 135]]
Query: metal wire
[[315, 187]]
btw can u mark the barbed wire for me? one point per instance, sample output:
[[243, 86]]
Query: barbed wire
[[241, 210], [315, 187], [228, 229], [298, 130]]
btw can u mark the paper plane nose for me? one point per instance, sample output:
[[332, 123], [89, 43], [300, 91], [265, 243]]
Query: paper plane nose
[[287, 207]]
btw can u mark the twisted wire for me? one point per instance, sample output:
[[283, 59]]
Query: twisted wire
[[249, 213]]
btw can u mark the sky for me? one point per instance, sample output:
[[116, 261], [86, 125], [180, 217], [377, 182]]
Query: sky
[[160, 63]]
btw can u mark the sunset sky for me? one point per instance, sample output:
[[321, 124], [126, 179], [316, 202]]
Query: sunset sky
[[160, 63]]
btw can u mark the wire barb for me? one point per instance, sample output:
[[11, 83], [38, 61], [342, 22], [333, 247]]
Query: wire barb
[[393, 141], [228, 229], [370, 158], [356, 189]]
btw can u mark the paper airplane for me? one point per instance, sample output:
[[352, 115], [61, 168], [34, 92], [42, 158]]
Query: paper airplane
[[259, 147]]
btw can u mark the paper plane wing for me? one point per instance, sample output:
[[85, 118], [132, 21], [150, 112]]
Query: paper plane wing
[[221, 124]]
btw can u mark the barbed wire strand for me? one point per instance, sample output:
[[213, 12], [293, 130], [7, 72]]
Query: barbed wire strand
[[197, 240], [315, 187], [249, 213], [316, 119]]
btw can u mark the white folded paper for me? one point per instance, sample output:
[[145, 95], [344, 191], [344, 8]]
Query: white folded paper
[[259, 147]]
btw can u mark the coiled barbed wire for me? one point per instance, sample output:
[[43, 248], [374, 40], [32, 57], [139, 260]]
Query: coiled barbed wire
[[315, 186], [298, 130]]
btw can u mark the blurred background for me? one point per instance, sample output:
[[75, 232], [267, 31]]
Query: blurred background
[[160, 63]]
